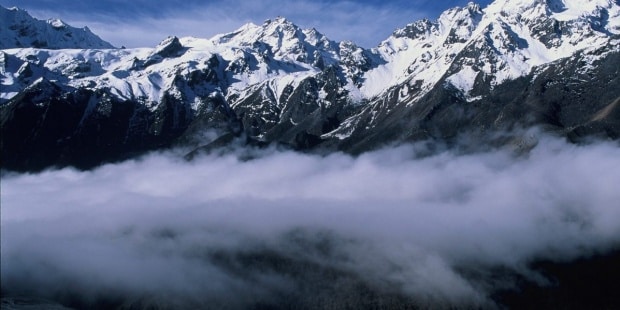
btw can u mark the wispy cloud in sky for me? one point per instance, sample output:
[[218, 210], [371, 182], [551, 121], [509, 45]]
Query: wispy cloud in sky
[[145, 23]]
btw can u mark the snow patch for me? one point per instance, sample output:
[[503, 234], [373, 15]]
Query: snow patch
[[464, 79]]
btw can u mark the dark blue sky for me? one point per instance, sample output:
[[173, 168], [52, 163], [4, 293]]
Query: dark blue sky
[[146, 22]]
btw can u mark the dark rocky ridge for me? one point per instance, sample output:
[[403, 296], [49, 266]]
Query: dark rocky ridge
[[46, 125]]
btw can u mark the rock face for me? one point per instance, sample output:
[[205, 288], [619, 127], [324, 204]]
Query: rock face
[[473, 72]]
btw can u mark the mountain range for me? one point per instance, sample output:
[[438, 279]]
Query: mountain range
[[472, 78]]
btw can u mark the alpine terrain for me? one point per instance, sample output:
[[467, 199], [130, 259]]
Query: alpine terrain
[[69, 98], [468, 162]]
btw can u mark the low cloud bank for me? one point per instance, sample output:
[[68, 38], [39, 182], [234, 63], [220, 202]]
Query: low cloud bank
[[287, 228]]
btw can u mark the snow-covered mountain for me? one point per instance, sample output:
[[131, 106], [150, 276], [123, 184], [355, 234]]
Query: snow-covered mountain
[[506, 40], [20, 30], [493, 67], [552, 62]]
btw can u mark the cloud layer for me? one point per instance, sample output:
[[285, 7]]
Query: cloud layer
[[224, 231]]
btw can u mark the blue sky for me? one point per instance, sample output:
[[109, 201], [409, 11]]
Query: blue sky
[[138, 23]]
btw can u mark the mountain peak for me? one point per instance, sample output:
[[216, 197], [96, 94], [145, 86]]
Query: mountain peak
[[19, 29], [279, 28], [56, 23], [281, 38], [278, 20], [570, 7], [471, 10]]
